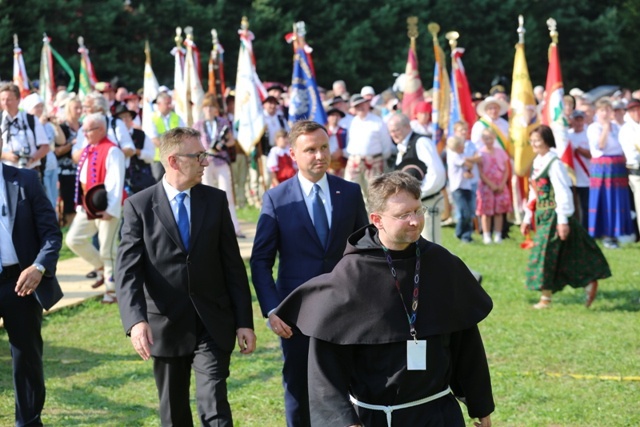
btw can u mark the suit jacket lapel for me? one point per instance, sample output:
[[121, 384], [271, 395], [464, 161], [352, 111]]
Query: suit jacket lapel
[[198, 213], [303, 212], [12, 189], [163, 211]]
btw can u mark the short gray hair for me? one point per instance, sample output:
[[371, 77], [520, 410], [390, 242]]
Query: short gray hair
[[97, 118], [100, 103], [172, 139]]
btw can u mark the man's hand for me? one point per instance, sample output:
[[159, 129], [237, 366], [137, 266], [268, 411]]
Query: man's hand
[[246, 340], [142, 339], [483, 422], [28, 281], [563, 231], [279, 327]]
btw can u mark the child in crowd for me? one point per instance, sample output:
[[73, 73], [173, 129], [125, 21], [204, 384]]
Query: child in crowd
[[493, 194], [279, 161], [471, 152], [459, 171]]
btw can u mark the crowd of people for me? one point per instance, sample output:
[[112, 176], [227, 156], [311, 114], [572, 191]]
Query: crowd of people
[[132, 197]]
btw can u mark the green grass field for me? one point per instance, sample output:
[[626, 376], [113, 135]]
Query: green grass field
[[565, 366]]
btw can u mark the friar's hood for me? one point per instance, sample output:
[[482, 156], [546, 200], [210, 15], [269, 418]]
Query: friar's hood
[[358, 302]]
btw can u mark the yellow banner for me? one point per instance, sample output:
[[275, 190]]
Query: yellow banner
[[523, 117]]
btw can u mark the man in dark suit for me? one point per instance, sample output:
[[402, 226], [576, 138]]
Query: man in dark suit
[[182, 286], [30, 242], [305, 220]]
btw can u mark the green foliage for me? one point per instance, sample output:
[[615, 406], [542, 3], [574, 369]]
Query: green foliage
[[361, 42]]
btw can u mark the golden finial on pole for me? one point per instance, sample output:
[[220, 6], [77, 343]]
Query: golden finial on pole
[[178, 39], [434, 29], [15, 40], [412, 27], [244, 23], [453, 37], [214, 38], [553, 32], [189, 32], [521, 30], [147, 52]]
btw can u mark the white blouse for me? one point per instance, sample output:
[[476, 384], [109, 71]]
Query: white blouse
[[561, 186]]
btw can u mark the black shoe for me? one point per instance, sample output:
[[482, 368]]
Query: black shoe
[[92, 274]]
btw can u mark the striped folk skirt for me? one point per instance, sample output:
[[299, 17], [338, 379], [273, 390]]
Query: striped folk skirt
[[609, 204]]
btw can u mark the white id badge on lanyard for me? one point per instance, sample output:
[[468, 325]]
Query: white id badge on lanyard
[[417, 355]]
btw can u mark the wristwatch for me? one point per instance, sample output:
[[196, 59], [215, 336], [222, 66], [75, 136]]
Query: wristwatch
[[39, 267]]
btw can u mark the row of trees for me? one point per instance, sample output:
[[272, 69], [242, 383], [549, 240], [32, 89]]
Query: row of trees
[[359, 41]]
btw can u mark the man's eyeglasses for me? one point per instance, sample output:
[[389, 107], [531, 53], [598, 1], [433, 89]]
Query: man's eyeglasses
[[86, 131], [199, 156], [418, 213]]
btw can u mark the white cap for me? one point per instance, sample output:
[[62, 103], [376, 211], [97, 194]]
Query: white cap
[[30, 101], [367, 90], [576, 92]]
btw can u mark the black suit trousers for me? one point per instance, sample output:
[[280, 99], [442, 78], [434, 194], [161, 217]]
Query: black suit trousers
[[22, 318], [173, 376]]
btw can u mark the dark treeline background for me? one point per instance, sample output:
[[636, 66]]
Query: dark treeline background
[[360, 41]]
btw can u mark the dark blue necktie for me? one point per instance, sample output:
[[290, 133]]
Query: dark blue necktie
[[183, 220], [320, 220]]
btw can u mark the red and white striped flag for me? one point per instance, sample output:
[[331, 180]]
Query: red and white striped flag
[[20, 78], [413, 91], [553, 109], [462, 93], [47, 78]]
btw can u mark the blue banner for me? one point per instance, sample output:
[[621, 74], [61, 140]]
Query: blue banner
[[305, 103]]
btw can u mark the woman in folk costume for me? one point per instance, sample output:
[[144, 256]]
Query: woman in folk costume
[[563, 253], [609, 203]]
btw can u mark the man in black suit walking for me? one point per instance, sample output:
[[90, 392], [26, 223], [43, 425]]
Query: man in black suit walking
[[30, 242], [182, 287]]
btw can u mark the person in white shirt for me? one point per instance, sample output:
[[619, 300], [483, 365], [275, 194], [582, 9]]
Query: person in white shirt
[[609, 210], [23, 146], [101, 163], [460, 183], [630, 142], [582, 163], [368, 145], [563, 253]]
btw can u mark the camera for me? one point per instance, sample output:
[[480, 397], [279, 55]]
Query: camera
[[220, 143], [23, 157]]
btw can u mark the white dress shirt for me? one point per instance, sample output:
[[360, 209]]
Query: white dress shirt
[[171, 193], [368, 137], [325, 195], [426, 151], [629, 138], [21, 136], [7, 251], [560, 182], [580, 140]]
